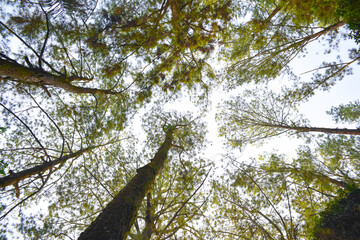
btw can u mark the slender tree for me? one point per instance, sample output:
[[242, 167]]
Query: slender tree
[[256, 116], [119, 215], [174, 204]]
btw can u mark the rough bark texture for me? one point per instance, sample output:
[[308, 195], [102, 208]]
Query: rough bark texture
[[17, 72], [14, 178], [116, 219]]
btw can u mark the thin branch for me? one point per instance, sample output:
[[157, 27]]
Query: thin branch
[[48, 116], [46, 36], [37, 140], [267, 199], [32, 49], [185, 202], [25, 199], [98, 181]]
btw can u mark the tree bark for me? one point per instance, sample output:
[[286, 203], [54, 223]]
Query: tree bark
[[17, 72], [115, 221], [324, 31], [14, 178], [344, 131], [149, 220]]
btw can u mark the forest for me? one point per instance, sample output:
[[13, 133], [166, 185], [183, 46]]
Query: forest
[[112, 112]]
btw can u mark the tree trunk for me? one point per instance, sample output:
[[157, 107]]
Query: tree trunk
[[325, 31], [14, 178], [17, 72], [149, 220], [327, 130], [343, 131], [118, 216]]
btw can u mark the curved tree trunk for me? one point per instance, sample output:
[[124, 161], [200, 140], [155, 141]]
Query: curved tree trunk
[[17, 72], [115, 221]]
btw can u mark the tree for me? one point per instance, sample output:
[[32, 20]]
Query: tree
[[36, 21], [80, 70], [38, 151], [86, 177], [170, 40], [174, 204], [258, 115], [279, 31], [119, 215], [340, 220], [274, 198]]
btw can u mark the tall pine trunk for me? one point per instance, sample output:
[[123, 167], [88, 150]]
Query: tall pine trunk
[[115, 221]]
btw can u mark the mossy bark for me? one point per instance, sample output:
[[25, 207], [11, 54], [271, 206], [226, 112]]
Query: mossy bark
[[14, 178], [116, 219], [17, 72]]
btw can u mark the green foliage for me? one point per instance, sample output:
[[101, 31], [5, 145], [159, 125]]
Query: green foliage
[[276, 198], [146, 50], [256, 116], [346, 113], [276, 33], [3, 166], [349, 10], [340, 219]]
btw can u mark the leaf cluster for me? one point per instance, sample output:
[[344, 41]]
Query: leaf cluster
[[340, 219]]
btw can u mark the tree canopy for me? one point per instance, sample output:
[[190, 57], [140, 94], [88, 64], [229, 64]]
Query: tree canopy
[[106, 119]]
